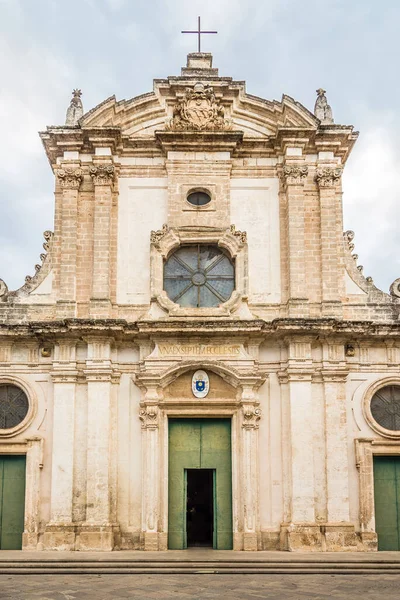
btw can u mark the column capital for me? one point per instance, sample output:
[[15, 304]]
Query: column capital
[[102, 174], [149, 415], [251, 415], [69, 177], [327, 177], [294, 174]]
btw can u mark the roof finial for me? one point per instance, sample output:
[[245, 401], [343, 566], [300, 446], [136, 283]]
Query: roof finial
[[75, 109], [322, 110]]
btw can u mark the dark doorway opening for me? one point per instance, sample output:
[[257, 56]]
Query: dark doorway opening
[[200, 507]]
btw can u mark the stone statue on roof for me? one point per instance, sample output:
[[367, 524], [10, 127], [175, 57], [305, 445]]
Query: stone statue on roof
[[322, 110], [75, 109]]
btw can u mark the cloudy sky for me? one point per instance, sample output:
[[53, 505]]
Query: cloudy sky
[[105, 47]]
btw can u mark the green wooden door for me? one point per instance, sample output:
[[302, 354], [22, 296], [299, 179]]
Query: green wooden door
[[387, 501], [200, 444], [12, 501]]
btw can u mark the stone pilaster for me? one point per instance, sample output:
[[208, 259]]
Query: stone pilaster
[[328, 180], [69, 179], [149, 415], [251, 415], [99, 529], [301, 532], [293, 177], [103, 177], [34, 464], [60, 532]]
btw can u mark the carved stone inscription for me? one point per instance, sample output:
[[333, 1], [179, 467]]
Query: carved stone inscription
[[199, 349]]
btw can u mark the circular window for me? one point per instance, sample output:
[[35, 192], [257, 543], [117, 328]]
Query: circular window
[[199, 276], [199, 198], [14, 406], [385, 407]]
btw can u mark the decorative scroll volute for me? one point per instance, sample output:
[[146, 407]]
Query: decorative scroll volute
[[149, 417], [251, 416], [199, 110], [70, 178]]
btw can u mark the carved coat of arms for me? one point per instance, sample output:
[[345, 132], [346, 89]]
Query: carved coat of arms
[[200, 384], [199, 110]]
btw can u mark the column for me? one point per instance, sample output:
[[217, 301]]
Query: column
[[60, 532], [328, 179], [294, 174], [149, 415], [98, 531], [103, 176], [251, 414], [69, 179]]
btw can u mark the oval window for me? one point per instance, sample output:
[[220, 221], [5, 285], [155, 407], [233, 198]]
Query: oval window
[[385, 407], [14, 406], [199, 198]]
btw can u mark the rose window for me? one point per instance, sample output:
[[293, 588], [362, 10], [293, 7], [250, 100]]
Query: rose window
[[385, 407], [199, 276], [14, 406]]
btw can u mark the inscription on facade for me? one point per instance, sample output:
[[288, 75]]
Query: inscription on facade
[[199, 349]]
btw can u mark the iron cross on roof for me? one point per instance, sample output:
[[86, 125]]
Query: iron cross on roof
[[199, 32]]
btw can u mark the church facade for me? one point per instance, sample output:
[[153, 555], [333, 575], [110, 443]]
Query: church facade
[[198, 359]]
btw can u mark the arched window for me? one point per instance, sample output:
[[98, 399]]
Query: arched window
[[14, 406], [199, 275]]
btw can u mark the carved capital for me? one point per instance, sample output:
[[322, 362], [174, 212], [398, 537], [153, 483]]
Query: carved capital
[[294, 175], [149, 417], [251, 416], [102, 174], [241, 235], [157, 236], [328, 176], [69, 178]]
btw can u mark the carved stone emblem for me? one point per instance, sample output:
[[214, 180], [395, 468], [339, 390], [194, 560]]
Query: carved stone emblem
[[157, 236], [241, 235], [199, 110]]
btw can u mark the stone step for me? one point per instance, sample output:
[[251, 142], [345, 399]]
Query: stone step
[[130, 567]]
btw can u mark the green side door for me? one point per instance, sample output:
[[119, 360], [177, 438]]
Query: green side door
[[12, 501], [387, 501], [200, 444]]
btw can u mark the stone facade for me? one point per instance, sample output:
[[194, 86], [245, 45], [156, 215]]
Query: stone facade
[[105, 357]]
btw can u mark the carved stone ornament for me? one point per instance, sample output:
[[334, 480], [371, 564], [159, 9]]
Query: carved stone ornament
[[149, 417], [102, 174], [322, 110], [70, 178], [395, 288], [251, 417], [199, 110], [75, 109], [241, 235], [157, 236], [3, 288], [328, 176], [293, 175]]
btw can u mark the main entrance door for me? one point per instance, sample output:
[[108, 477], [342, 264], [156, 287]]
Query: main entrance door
[[387, 501], [12, 501], [200, 484]]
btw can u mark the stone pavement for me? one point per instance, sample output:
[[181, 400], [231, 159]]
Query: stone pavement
[[199, 587]]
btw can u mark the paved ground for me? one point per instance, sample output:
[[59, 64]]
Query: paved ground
[[200, 587]]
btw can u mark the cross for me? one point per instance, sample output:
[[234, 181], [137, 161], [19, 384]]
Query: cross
[[199, 32]]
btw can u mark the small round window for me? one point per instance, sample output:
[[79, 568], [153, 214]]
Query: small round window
[[199, 198], [385, 407], [14, 406]]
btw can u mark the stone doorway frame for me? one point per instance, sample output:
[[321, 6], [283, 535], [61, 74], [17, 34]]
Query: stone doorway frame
[[32, 448], [366, 449], [245, 413]]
